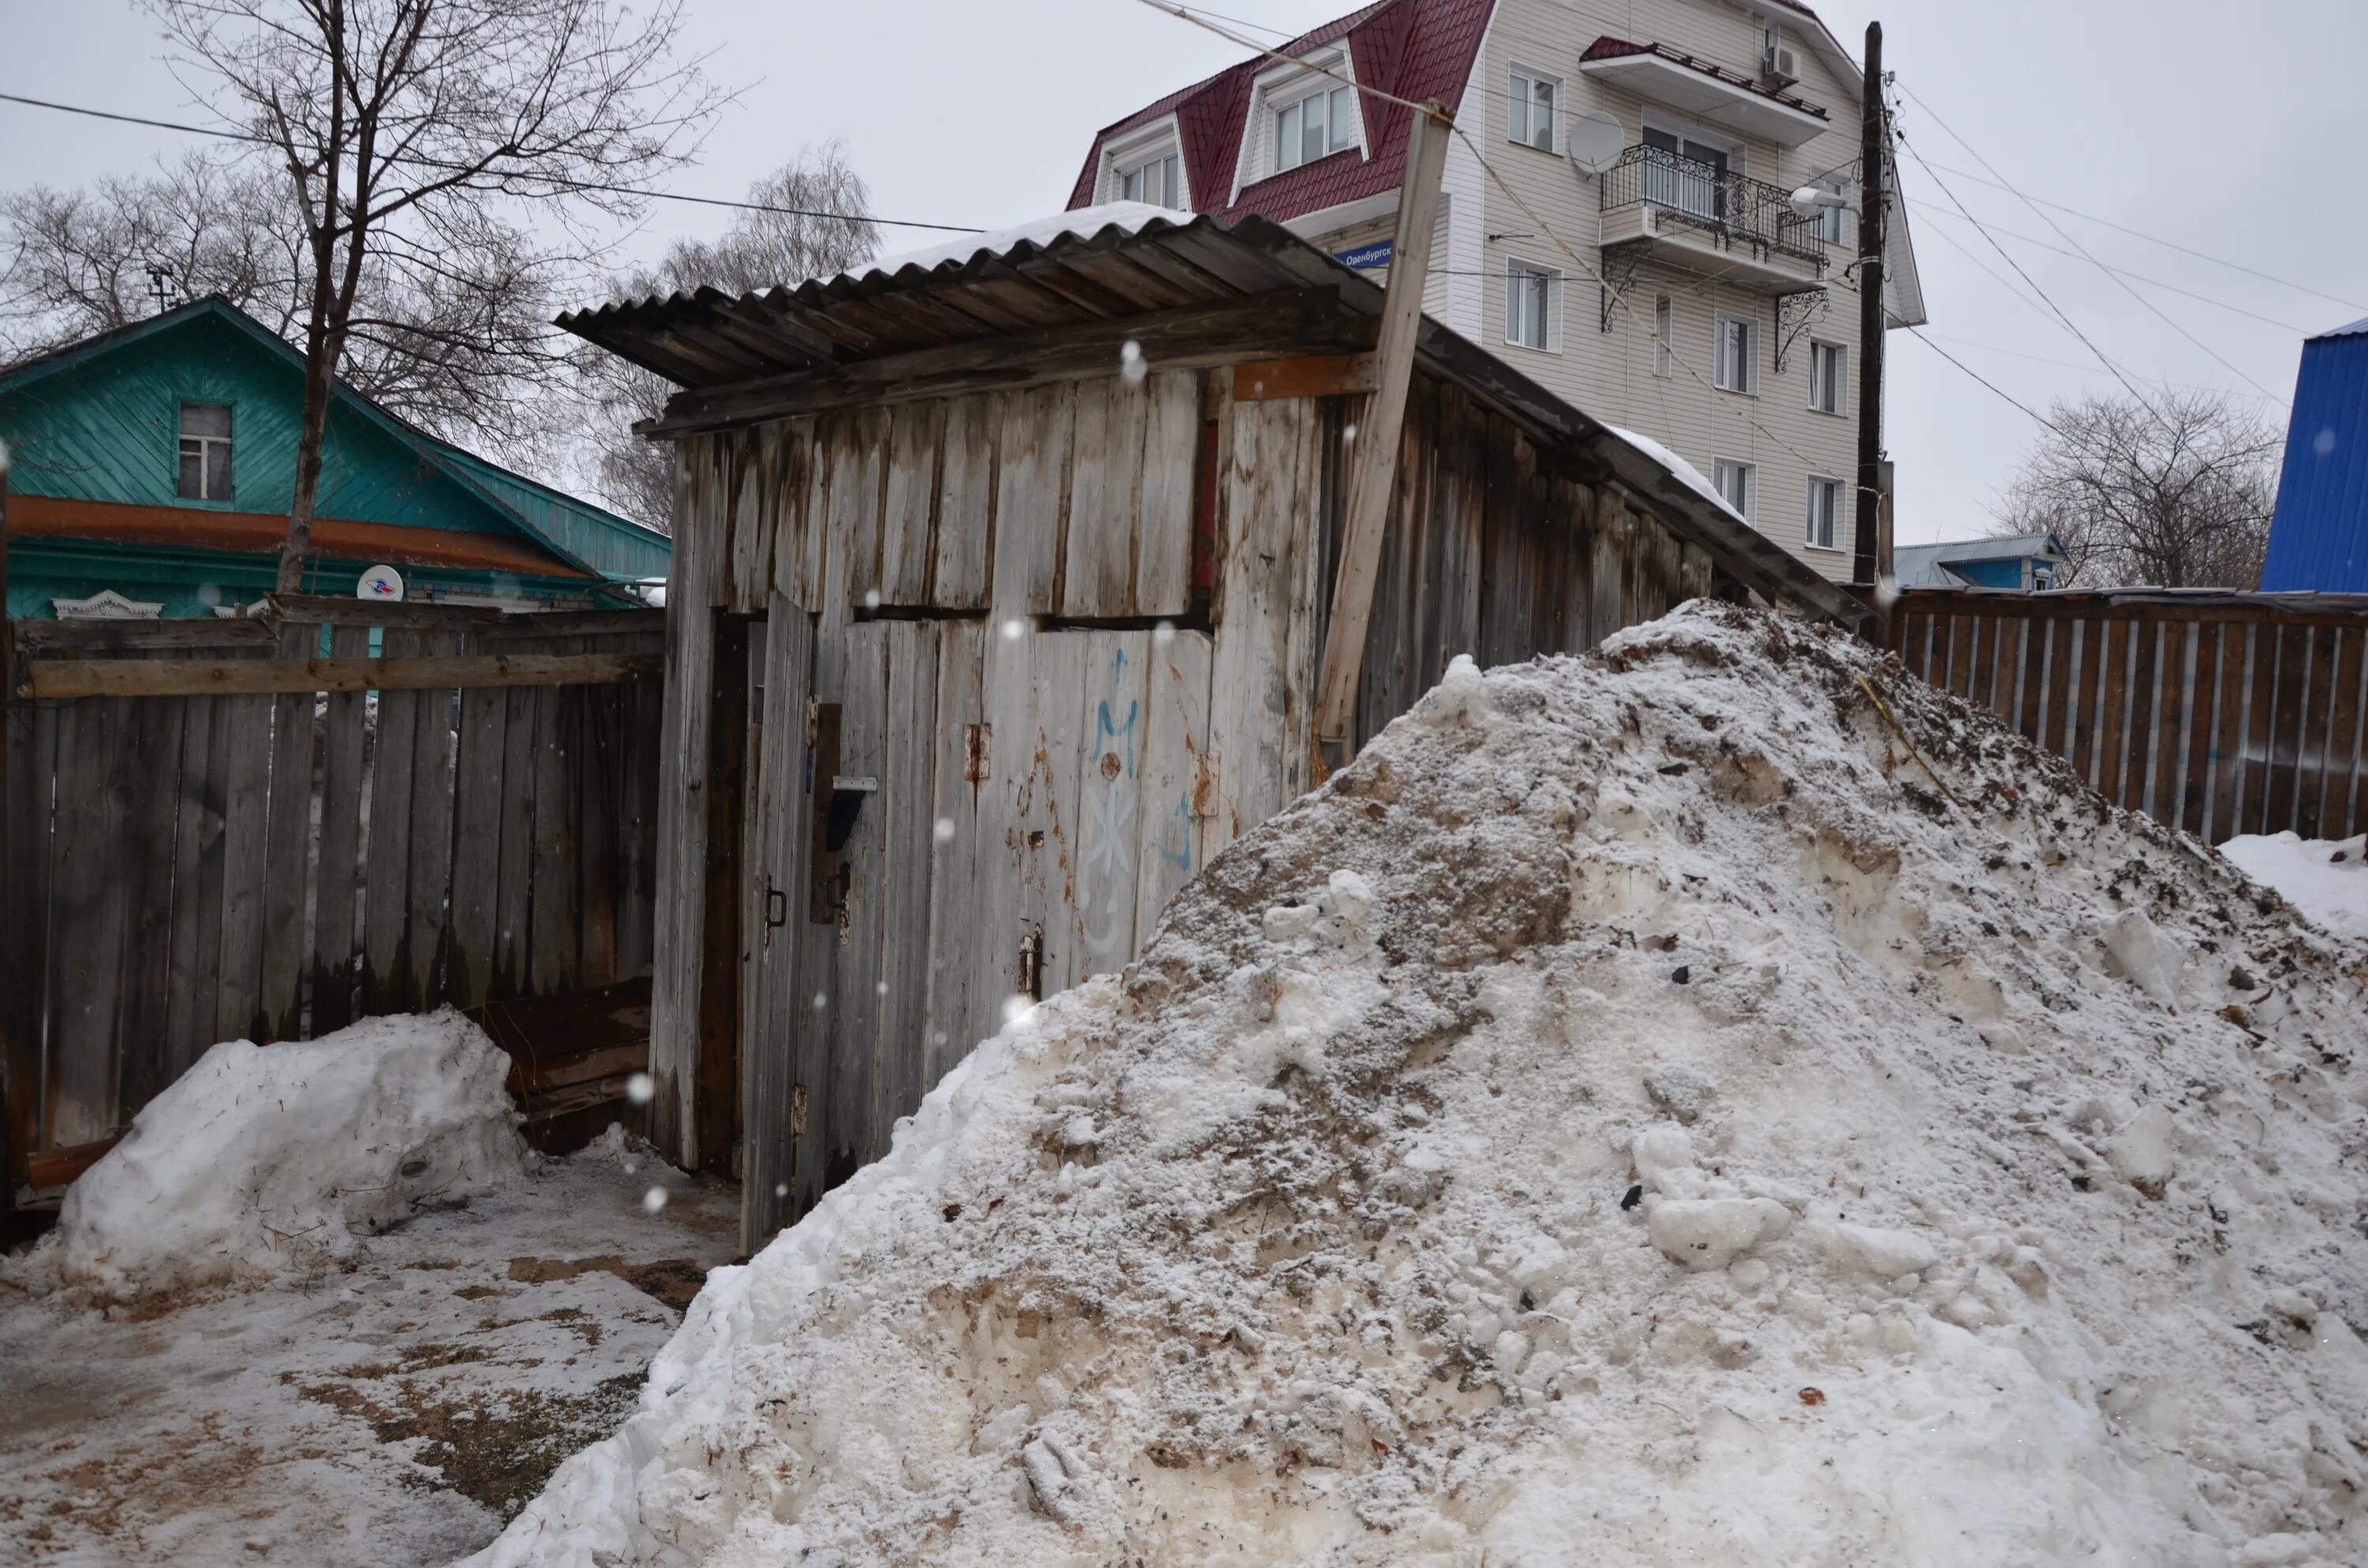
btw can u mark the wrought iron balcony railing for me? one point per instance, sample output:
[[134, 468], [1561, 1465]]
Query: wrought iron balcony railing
[[1729, 208]]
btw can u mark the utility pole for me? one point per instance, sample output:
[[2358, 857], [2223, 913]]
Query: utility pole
[[1874, 146]]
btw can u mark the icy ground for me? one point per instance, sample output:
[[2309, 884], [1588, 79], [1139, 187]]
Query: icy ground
[[392, 1408], [1639, 1113], [2325, 879]]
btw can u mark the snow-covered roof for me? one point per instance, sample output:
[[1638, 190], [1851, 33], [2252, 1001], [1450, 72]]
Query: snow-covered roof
[[1926, 565], [2356, 329]]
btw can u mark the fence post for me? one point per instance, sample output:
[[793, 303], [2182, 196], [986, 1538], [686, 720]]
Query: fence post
[[8, 940]]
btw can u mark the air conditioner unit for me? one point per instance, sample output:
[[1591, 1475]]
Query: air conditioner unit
[[1781, 65]]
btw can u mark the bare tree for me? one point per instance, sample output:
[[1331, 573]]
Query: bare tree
[[422, 135], [459, 354], [812, 220], [2175, 495]]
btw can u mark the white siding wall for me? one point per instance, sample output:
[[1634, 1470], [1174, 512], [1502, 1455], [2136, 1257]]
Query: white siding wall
[[1609, 375]]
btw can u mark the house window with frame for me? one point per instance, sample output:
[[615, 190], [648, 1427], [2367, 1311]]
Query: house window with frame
[[1158, 180], [1735, 482], [1534, 100], [1833, 221], [205, 452], [1739, 355], [1829, 377], [1314, 127], [1665, 335], [1529, 306], [1824, 514]]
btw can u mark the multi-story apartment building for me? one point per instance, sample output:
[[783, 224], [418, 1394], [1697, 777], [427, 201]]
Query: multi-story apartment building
[[1617, 218]]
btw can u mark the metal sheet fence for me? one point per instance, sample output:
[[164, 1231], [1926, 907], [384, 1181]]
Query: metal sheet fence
[[2219, 713], [188, 869]]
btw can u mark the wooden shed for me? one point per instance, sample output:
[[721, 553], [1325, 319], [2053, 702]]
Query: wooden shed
[[999, 585]]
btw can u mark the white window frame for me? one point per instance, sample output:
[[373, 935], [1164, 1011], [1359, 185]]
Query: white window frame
[[1750, 473], [1160, 139], [1820, 345], [1521, 99], [213, 453], [1665, 334], [1551, 333], [1833, 222], [1840, 493], [1721, 365], [1274, 90]]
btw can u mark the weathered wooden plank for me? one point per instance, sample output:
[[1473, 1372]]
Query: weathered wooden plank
[[2234, 703], [430, 869], [2344, 737], [907, 806], [2284, 731], [142, 1044], [25, 942], [64, 639], [1114, 721], [962, 545], [339, 876], [552, 963], [1249, 720], [510, 958], [1105, 490], [49, 678], [599, 785], [386, 899], [908, 515], [2357, 816], [960, 925], [246, 764], [775, 1010], [1055, 816], [716, 1130], [2174, 720], [287, 848], [479, 801], [692, 594], [2143, 640], [749, 580], [1321, 375], [2032, 689], [1387, 684], [1031, 499], [91, 863], [197, 847], [2112, 708], [1175, 718], [637, 825], [2203, 721], [2316, 725]]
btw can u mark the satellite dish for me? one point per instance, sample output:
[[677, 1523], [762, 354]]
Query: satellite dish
[[382, 584], [1597, 139]]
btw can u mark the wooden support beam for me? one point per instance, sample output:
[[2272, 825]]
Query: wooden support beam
[[1284, 324], [201, 677], [1327, 375], [1375, 460]]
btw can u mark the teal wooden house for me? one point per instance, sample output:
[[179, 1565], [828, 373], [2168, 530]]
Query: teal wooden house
[[153, 469]]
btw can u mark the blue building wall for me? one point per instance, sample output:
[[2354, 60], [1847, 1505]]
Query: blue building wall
[[2005, 573], [2319, 538]]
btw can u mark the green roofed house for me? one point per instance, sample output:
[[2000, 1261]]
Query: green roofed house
[[153, 468]]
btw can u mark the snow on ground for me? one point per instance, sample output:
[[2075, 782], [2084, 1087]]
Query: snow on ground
[[262, 1160], [390, 1407], [1634, 1114], [2326, 880]]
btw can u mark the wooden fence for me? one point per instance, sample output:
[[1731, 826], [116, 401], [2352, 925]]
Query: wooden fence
[[256, 828], [2216, 713]]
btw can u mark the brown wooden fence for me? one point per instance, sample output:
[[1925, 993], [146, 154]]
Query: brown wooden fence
[[253, 828], [2220, 713]]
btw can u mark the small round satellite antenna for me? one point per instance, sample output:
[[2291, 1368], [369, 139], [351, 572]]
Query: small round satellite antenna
[[1596, 141], [382, 583]]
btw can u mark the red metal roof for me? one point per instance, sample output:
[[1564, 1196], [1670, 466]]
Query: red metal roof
[[1410, 49]]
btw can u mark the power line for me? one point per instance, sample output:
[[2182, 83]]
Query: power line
[[2075, 244], [2158, 240], [250, 137], [2069, 365], [1952, 358]]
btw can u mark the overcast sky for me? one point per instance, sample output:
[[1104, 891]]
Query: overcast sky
[[2233, 130]]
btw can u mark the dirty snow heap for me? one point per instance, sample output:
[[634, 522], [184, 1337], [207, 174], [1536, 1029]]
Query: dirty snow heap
[[1634, 1114], [265, 1161]]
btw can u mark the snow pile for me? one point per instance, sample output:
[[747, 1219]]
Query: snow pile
[[1634, 1114], [264, 1159], [2326, 880]]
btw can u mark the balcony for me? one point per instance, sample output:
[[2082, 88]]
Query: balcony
[[1676, 210]]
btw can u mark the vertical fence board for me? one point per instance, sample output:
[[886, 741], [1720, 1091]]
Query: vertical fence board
[[2343, 732], [287, 849], [2145, 650], [342, 782], [24, 938], [554, 926], [431, 830], [514, 856], [478, 801], [908, 808], [90, 860], [142, 1040], [386, 903], [2202, 720], [246, 767], [598, 783], [2315, 731], [2356, 816], [2284, 734]]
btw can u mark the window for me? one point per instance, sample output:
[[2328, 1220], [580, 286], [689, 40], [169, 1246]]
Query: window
[[1824, 514], [1828, 378], [1530, 302], [1832, 222], [1739, 355], [1159, 181], [1685, 173], [1534, 109], [1665, 334], [1308, 129], [1735, 482], [205, 451]]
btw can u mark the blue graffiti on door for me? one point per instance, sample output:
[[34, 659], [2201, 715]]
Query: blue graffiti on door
[[1106, 885]]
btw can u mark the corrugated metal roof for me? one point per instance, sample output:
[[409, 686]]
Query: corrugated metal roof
[[2352, 330], [2318, 538], [1043, 289]]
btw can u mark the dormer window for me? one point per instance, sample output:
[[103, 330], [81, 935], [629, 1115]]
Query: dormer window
[[205, 452], [1146, 164], [1323, 122], [1159, 181]]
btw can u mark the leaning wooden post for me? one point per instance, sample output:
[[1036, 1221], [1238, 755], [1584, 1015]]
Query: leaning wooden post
[[1373, 473]]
